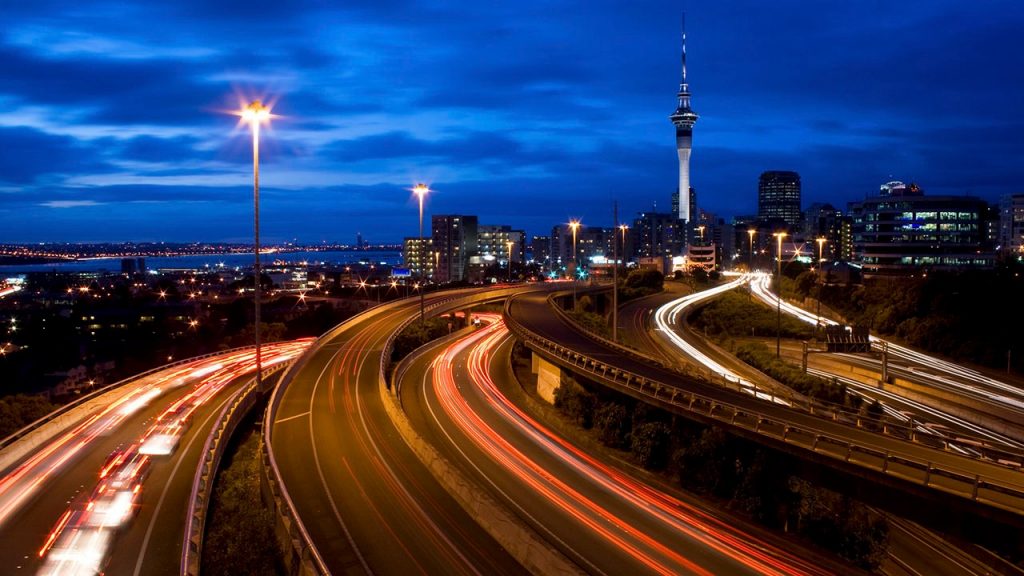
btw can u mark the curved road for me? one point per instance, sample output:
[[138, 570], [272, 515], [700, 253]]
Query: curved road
[[603, 519], [366, 501], [150, 542]]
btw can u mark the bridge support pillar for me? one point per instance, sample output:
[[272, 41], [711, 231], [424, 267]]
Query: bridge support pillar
[[549, 377]]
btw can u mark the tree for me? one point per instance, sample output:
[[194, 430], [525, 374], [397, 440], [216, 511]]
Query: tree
[[650, 444], [613, 424], [576, 402]]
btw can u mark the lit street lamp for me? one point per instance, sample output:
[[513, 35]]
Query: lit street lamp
[[421, 190], [255, 114], [701, 230], [509, 243], [778, 296], [821, 265], [750, 253], [574, 225]]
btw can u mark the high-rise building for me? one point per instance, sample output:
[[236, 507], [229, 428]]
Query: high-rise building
[[684, 118], [778, 198], [418, 256], [540, 250], [1011, 222], [907, 230], [492, 241], [454, 237], [657, 234]]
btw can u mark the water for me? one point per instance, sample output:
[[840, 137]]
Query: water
[[387, 257]]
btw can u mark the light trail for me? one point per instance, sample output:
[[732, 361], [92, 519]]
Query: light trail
[[666, 317], [1008, 395], [655, 505], [116, 496]]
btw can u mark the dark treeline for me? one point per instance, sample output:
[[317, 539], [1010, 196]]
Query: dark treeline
[[972, 316], [752, 480]]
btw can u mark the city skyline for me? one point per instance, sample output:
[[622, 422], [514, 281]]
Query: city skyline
[[119, 132]]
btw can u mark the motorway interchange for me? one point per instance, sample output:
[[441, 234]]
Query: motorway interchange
[[353, 475]]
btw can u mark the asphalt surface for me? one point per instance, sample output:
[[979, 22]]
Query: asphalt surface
[[367, 502], [151, 543], [533, 312], [913, 549], [596, 518]]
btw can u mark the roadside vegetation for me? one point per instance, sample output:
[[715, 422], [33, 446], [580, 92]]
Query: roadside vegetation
[[20, 410], [734, 315], [747, 478], [970, 316], [239, 530]]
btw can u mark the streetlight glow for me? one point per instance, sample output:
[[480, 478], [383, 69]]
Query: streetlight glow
[[256, 113], [421, 190], [574, 225], [778, 297], [509, 243], [751, 232]]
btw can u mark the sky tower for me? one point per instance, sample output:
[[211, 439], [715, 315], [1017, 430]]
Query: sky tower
[[684, 118]]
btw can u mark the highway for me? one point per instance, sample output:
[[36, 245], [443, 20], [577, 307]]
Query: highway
[[600, 517], [937, 372], [985, 481], [61, 516], [362, 496], [672, 338], [913, 549]]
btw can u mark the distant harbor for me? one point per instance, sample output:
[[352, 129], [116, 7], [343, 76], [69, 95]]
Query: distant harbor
[[200, 261]]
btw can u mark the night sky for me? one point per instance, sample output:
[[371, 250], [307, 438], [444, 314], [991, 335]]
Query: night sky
[[115, 123]]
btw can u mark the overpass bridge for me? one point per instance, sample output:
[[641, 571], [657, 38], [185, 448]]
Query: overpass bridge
[[974, 487]]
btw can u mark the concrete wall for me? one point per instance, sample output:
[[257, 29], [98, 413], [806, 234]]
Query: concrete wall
[[549, 377]]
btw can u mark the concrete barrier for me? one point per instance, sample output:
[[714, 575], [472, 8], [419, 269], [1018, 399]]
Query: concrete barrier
[[520, 540], [27, 440], [236, 410]]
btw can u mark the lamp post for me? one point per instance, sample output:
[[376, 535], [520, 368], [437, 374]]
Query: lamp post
[[421, 190], [701, 230], [255, 114], [623, 228], [821, 264], [509, 244], [574, 225], [615, 273], [750, 253], [778, 296]]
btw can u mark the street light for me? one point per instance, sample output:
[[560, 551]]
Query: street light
[[574, 225], [509, 243], [255, 114], [623, 228], [701, 230], [750, 253], [778, 296], [421, 190], [821, 259]]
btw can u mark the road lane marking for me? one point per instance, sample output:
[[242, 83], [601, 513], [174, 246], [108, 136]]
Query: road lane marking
[[278, 421]]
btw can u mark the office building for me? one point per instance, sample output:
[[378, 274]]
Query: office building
[[778, 199], [657, 234], [418, 256], [454, 237], [903, 230], [492, 242], [1011, 222]]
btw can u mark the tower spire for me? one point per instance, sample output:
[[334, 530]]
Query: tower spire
[[683, 86], [684, 118]]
